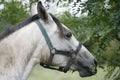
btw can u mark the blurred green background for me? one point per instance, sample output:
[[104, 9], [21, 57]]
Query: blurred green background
[[40, 73]]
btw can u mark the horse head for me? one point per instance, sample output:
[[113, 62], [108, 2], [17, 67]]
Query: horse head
[[66, 52]]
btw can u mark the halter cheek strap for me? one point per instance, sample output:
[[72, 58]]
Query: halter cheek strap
[[72, 54], [49, 43]]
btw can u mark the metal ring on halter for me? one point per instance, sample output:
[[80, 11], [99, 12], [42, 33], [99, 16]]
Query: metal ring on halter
[[53, 50]]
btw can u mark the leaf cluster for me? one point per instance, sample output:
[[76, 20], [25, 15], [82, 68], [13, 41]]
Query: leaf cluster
[[12, 13], [104, 19]]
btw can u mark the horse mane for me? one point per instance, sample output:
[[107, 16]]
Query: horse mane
[[9, 31]]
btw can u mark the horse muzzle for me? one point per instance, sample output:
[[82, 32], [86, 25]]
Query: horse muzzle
[[88, 71]]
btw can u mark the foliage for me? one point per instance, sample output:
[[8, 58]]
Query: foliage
[[12, 13], [105, 18]]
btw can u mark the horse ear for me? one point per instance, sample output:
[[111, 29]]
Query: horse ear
[[33, 9], [41, 11]]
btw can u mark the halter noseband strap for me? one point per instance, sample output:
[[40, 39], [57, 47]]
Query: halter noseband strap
[[72, 54]]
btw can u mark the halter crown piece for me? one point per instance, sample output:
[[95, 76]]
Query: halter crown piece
[[72, 54]]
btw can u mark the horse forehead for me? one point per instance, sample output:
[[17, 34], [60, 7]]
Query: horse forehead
[[58, 23]]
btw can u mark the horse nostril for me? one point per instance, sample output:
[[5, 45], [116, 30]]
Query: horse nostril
[[93, 67]]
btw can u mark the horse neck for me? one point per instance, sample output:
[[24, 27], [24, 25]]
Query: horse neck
[[19, 52]]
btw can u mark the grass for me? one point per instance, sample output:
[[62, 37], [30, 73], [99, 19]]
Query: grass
[[40, 73]]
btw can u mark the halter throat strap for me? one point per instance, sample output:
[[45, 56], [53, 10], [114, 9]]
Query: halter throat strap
[[72, 54]]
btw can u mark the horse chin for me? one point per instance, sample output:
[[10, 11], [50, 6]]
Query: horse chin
[[86, 73], [83, 74]]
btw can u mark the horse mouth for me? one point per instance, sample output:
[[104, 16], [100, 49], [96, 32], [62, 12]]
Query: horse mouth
[[86, 73], [83, 74]]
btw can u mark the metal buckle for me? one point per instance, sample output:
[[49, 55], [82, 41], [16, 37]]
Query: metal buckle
[[53, 51]]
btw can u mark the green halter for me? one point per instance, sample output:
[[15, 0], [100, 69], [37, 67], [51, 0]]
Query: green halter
[[45, 34]]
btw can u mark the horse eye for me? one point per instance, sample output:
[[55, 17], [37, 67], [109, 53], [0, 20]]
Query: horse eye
[[68, 35]]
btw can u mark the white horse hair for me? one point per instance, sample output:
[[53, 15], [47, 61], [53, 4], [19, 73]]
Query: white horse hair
[[24, 46]]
